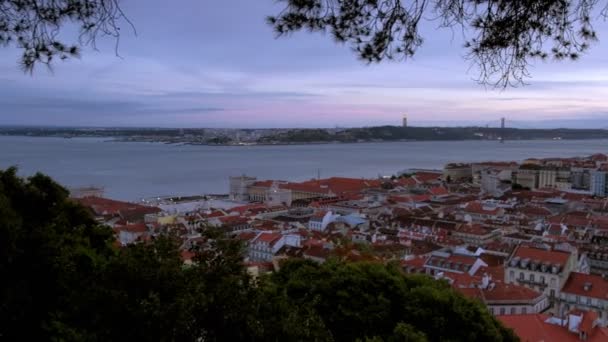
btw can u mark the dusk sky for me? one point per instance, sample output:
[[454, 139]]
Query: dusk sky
[[217, 64]]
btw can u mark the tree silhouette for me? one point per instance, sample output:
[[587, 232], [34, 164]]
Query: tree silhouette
[[34, 26], [502, 36]]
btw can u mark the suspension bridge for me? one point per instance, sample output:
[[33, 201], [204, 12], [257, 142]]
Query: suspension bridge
[[503, 123]]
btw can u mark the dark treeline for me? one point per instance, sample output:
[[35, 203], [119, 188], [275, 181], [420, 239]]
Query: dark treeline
[[63, 280], [396, 133], [316, 135]]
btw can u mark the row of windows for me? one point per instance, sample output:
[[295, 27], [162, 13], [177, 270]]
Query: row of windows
[[531, 277], [566, 308], [512, 311], [260, 256]]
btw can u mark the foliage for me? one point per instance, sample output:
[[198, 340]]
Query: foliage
[[49, 249], [372, 301], [502, 36], [38, 27], [63, 280]]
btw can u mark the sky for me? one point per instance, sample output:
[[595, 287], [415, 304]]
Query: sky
[[197, 63]]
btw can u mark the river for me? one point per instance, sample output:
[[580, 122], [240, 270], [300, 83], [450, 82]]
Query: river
[[131, 170]]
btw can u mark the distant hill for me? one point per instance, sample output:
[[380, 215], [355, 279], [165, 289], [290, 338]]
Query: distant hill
[[214, 136], [395, 133]]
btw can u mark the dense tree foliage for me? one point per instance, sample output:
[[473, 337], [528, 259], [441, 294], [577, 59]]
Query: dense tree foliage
[[49, 249], [63, 280], [502, 36], [371, 301]]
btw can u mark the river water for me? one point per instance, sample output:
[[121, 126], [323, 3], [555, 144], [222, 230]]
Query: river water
[[130, 170]]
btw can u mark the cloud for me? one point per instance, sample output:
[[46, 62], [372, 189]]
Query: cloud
[[241, 94], [218, 64]]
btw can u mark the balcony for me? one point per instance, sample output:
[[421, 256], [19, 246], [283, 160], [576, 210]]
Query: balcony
[[532, 283]]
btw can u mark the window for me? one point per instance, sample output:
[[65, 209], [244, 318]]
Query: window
[[542, 279], [552, 293], [578, 299], [588, 300], [521, 275], [512, 275], [512, 311], [502, 311], [553, 282], [524, 311], [531, 277]]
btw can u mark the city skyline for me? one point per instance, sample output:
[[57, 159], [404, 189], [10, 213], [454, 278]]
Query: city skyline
[[219, 65]]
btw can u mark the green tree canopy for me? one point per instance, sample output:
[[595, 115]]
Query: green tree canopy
[[359, 301]]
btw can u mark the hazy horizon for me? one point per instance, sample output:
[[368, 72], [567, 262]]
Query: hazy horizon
[[217, 64]]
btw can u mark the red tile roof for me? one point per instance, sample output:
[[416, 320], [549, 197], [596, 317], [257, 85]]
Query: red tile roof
[[438, 190], [599, 157], [416, 262], [317, 252], [576, 285], [106, 206], [246, 236], [533, 328], [511, 292], [244, 208], [233, 220], [426, 177], [535, 211], [407, 181], [473, 229], [134, 228], [553, 257], [476, 207], [268, 238], [215, 213]]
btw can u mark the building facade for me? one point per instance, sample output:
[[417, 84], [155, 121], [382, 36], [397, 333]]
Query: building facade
[[586, 292], [540, 269]]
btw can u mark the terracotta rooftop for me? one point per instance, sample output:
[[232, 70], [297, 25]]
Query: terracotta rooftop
[[268, 238], [473, 229], [233, 220], [478, 208], [134, 228], [106, 206], [533, 328], [546, 256], [511, 292], [577, 281], [426, 177], [438, 190], [246, 236]]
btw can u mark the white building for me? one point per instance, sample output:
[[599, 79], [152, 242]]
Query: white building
[[264, 246], [320, 220], [586, 292], [540, 269], [239, 186]]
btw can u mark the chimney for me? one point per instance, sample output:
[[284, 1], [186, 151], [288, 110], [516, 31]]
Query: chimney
[[485, 281], [587, 286]]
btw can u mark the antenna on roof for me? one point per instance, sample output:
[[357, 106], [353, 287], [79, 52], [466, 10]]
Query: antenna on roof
[[318, 174]]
